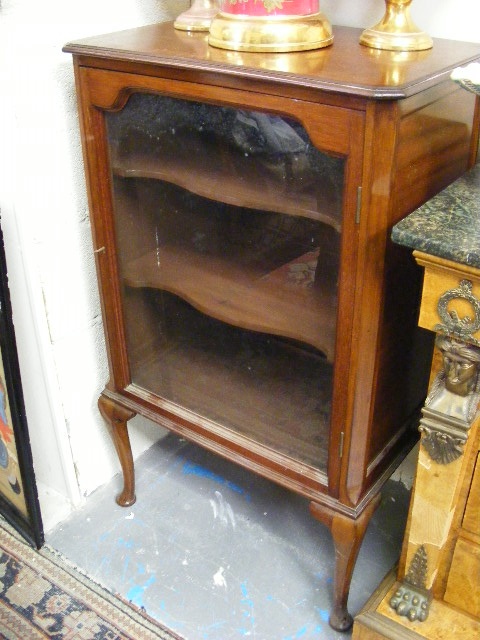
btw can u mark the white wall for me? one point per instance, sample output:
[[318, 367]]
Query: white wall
[[46, 226], [453, 19], [48, 243]]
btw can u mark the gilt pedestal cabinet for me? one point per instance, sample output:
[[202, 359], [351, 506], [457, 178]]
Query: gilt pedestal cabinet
[[435, 592], [241, 207]]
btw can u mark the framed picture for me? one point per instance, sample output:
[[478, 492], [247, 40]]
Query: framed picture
[[18, 493]]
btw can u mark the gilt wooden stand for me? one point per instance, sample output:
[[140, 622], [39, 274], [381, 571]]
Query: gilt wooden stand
[[435, 594], [241, 207]]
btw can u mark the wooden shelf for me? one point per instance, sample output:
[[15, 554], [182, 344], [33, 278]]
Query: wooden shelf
[[259, 386], [242, 297], [212, 170]]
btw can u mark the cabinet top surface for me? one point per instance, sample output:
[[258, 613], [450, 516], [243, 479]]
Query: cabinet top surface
[[344, 67], [448, 225]]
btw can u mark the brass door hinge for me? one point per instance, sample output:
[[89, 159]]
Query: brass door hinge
[[359, 205]]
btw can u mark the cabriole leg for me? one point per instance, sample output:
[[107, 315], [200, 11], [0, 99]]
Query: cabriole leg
[[116, 416], [347, 537]]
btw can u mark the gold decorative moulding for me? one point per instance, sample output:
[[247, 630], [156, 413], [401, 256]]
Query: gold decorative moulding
[[396, 31], [270, 26]]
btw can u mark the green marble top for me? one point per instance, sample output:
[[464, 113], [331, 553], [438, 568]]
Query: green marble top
[[448, 225]]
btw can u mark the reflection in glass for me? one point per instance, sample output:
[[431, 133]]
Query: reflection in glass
[[228, 228]]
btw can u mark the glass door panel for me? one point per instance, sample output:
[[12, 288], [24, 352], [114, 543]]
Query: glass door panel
[[228, 227]]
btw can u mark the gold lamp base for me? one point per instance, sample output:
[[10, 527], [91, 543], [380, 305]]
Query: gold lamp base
[[270, 34], [396, 31]]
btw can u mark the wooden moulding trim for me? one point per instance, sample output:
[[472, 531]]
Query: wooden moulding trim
[[85, 53], [385, 627], [106, 261], [377, 93], [262, 85], [346, 337], [99, 197], [110, 90], [315, 485], [181, 422], [392, 442], [427, 260], [380, 142]]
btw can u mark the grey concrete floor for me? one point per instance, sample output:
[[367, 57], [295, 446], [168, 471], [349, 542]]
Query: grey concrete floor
[[216, 553]]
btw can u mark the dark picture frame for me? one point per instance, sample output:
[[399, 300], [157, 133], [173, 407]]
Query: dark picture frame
[[19, 503]]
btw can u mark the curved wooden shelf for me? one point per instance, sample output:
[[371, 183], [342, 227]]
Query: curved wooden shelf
[[279, 399], [241, 297], [214, 171]]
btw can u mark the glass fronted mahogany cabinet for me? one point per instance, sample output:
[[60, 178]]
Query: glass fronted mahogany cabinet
[[241, 209]]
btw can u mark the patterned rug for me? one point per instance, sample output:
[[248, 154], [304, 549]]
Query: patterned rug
[[41, 596]]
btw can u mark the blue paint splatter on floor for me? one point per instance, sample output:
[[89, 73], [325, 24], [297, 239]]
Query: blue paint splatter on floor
[[307, 631], [128, 544], [301, 632], [190, 468], [248, 612], [324, 614], [135, 594], [126, 564]]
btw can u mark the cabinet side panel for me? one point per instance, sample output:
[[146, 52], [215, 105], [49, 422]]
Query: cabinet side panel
[[404, 357], [434, 147], [435, 142]]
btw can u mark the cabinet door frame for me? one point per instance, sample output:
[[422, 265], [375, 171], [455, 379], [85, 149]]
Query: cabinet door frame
[[334, 130]]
